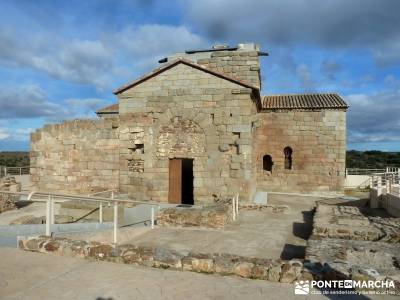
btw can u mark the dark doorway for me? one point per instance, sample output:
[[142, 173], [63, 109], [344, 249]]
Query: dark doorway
[[187, 181], [181, 181]]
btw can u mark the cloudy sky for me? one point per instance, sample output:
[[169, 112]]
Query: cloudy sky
[[61, 59]]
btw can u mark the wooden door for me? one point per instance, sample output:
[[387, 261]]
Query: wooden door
[[175, 181]]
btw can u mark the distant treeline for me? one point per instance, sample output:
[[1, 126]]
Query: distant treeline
[[355, 159], [372, 159], [14, 159]]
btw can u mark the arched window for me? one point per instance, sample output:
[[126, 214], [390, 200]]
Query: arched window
[[267, 163], [288, 157]]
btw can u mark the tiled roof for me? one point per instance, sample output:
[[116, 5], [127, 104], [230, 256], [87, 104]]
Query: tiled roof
[[111, 109], [303, 101], [187, 62]]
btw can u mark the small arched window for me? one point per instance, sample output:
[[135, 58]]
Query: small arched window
[[267, 163], [288, 157]]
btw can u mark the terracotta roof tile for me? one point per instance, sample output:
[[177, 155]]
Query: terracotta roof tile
[[303, 101]]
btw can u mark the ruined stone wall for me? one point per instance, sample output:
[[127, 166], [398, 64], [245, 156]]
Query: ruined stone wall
[[186, 113], [318, 141], [244, 65], [76, 156]]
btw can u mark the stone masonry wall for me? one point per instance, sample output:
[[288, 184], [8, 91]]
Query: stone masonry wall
[[76, 156], [318, 141], [186, 113], [244, 65]]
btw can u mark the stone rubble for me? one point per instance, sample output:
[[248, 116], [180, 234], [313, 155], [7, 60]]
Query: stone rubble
[[348, 243], [11, 185]]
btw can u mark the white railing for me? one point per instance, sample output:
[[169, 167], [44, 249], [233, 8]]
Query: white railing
[[357, 171], [235, 207], [389, 182], [6, 171], [385, 192], [51, 198]]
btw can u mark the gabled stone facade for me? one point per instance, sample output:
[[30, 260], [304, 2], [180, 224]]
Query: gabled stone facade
[[203, 108]]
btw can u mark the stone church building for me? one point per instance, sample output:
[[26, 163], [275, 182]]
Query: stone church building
[[195, 129]]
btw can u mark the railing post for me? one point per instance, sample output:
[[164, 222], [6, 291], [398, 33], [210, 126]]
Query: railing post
[[48, 215], [20, 171], [152, 217], [52, 221], [5, 171], [101, 213], [237, 204], [233, 209], [115, 221]]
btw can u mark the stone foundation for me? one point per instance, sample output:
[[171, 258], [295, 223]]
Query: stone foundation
[[209, 216], [159, 257], [11, 185], [353, 223], [337, 259]]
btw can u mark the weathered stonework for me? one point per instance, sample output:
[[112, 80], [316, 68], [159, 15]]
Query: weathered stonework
[[76, 156], [351, 223], [179, 121], [11, 185], [160, 257], [338, 259], [208, 110], [318, 141], [209, 216]]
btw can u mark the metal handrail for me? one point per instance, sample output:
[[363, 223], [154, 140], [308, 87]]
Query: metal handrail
[[359, 171], [51, 197], [101, 200], [82, 198], [113, 192], [14, 170]]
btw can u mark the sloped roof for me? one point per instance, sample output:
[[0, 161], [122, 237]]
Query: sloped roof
[[173, 63], [111, 109], [303, 101]]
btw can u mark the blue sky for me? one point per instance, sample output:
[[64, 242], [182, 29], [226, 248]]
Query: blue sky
[[62, 59]]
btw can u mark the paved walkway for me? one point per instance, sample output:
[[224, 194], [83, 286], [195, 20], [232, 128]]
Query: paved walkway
[[261, 234], [26, 275]]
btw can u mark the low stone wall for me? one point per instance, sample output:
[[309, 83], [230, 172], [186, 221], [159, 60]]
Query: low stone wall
[[352, 223], [216, 216], [265, 207], [7, 201], [159, 257]]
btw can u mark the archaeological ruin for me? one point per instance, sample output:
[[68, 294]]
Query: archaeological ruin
[[197, 129]]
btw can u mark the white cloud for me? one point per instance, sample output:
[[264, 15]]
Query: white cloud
[[31, 101], [84, 107], [27, 101], [333, 24], [4, 134], [375, 117], [95, 62]]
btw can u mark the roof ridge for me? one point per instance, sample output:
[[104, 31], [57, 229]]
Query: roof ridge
[[174, 62]]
